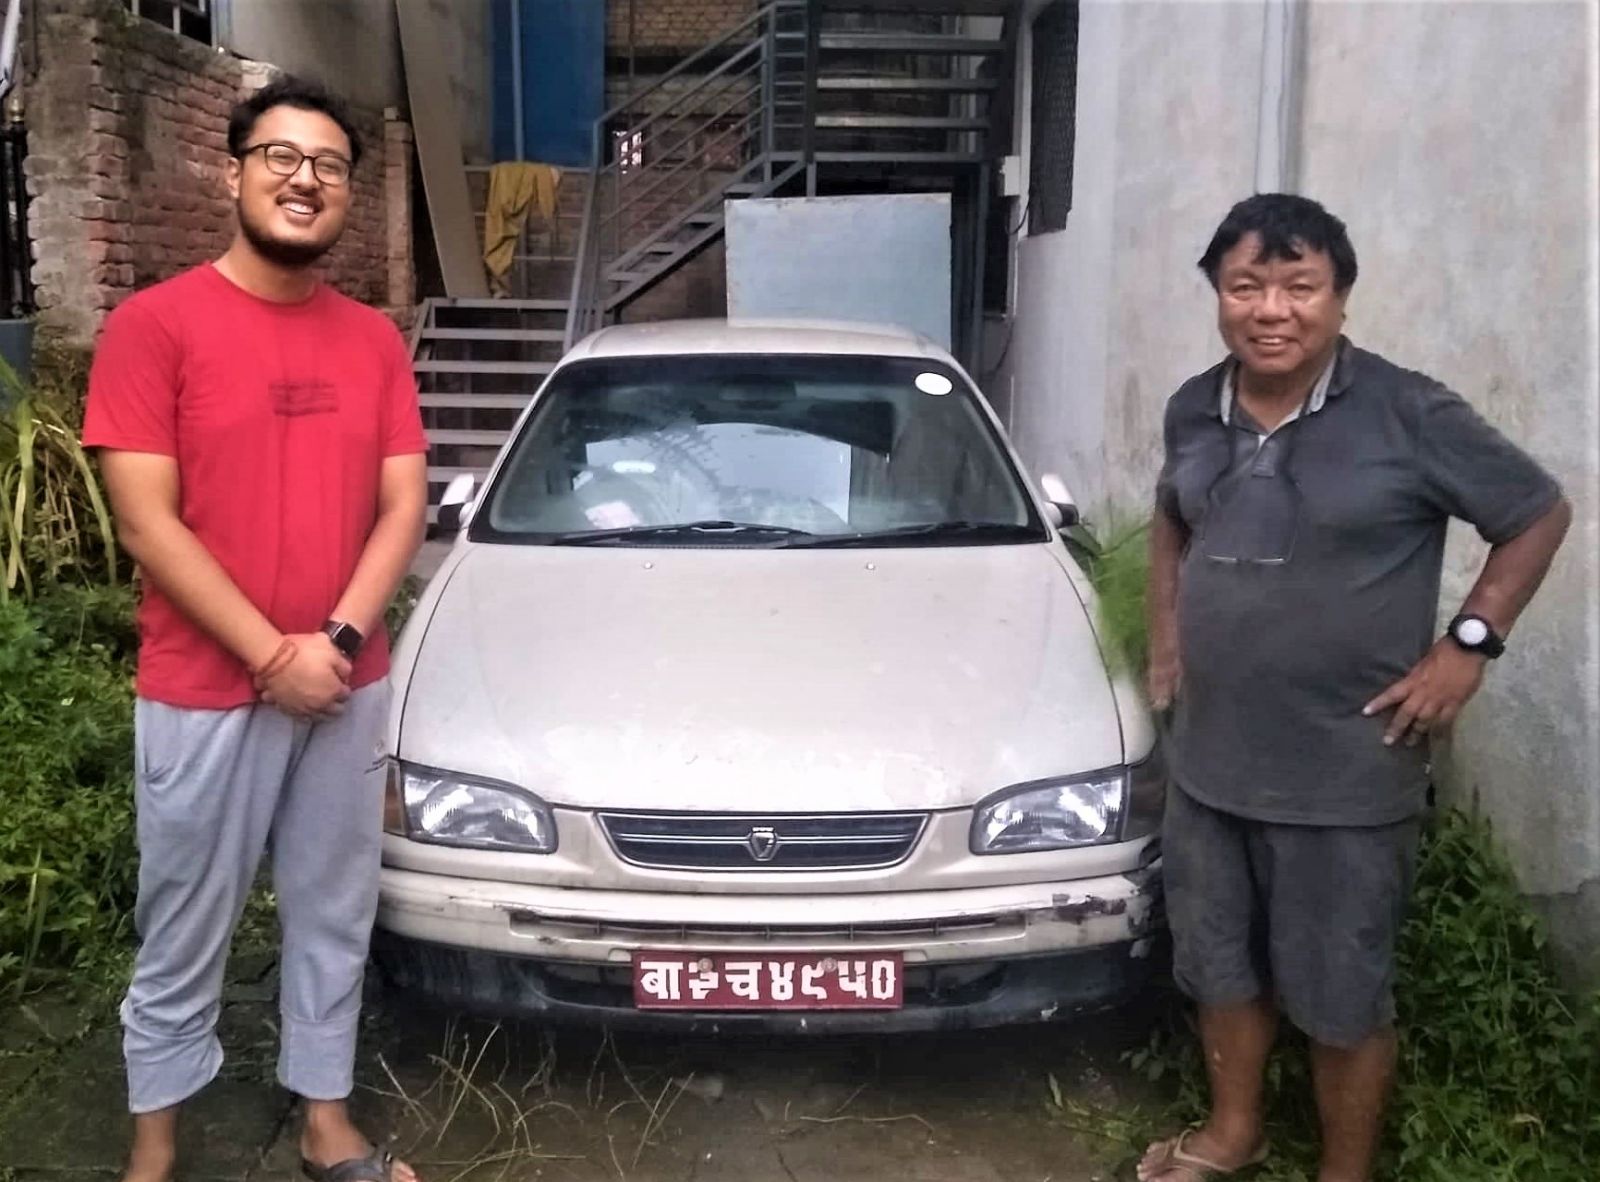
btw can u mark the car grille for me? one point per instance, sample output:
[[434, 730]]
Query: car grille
[[701, 841]]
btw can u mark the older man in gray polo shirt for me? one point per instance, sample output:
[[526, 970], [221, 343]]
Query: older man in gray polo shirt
[[1296, 557]]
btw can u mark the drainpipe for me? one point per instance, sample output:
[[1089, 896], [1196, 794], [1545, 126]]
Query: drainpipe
[[1279, 101], [518, 98]]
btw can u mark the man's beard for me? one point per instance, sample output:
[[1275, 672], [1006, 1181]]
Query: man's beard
[[276, 250]]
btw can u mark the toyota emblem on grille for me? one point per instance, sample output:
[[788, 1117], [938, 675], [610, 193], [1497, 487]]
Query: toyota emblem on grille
[[763, 843]]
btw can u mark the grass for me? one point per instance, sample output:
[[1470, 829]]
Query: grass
[[1499, 1076], [67, 862], [1119, 568], [55, 526]]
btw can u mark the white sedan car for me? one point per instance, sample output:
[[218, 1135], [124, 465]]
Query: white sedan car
[[759, 689]]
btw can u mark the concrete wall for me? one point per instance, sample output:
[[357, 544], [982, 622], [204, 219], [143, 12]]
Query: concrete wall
[[354, 47], [1111, 312], [1473, 210], [1474, 215]]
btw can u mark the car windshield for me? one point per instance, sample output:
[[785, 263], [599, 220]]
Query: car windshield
[[773, 450]]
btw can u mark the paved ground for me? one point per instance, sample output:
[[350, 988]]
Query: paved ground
[[472, 1101]]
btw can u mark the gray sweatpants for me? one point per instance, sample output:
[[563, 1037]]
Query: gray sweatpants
[[214, 790]]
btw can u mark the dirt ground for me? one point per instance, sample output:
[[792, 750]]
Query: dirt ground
[[467, 1099]]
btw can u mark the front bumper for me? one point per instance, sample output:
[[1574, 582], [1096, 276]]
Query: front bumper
[[980, 957]]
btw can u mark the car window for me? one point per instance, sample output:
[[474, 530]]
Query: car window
[[756, 450]]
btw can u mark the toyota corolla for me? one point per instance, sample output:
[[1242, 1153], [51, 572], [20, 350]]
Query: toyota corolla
[[760, 688]]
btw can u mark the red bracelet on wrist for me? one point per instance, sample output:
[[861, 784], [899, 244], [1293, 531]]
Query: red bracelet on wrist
[[279, 661]]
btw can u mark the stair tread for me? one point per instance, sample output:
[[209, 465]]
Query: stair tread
[[923, 7], [458, 437], [434, 365], [437, 400], [877, 83], [905, 122], [443, 473], [444, 305], [894, 157], [493, 334], [910, 43]]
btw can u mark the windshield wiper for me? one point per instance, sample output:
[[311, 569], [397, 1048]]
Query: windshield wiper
[[687, 530], [928, 533]]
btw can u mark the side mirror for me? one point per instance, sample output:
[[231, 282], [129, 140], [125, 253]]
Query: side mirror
[[1063, 510], [453, 506]]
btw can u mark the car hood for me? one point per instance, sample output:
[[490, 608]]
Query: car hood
[[760, 680]]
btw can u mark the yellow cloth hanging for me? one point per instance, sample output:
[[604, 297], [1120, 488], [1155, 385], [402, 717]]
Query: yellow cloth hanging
[[514, 187]]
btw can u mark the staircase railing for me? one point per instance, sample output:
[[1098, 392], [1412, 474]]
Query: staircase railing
[[736, 111]]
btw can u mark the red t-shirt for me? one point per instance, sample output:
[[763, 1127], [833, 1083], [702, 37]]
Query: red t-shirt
[[280, 417]]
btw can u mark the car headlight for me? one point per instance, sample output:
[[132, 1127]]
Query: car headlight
[[1052, 814], [446, 808]]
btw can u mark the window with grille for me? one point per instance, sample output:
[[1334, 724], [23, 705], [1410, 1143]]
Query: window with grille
[[194, 19], [1054, 114]]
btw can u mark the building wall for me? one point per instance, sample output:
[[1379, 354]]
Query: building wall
[[1473, 211], [127, 137], [1163, 147], [354, 47], [1474, 217], [665, 26]]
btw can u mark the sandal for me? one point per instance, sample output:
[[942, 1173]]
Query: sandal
[[1199, 1169], [374, 1167]]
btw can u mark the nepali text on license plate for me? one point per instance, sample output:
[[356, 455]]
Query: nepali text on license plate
[[785, 981]]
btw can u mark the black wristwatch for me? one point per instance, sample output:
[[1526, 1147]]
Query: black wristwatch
[[1476, 635], [346, 637]]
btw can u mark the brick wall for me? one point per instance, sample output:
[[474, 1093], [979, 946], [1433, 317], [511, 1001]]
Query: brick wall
[[127, 140], [671, 25]]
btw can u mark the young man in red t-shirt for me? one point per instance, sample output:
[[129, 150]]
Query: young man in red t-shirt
[[262, 446]]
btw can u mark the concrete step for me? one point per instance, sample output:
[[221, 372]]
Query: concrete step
[[505, 305], [432, 365], [892, 85], [899, 123], [929, 43], [493, 334], [442, 436], [434, 400], [445, 473], [925, 7]]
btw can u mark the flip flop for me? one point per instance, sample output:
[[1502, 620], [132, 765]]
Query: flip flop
[[374, 1167], [1199, 1169]]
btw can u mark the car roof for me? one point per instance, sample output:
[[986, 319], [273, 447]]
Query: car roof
[[669, 338]]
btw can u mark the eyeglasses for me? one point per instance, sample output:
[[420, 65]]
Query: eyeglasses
[[285, 160]]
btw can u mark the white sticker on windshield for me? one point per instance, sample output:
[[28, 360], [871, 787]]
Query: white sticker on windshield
[[934, 383]]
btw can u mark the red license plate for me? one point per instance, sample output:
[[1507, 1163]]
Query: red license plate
[[786, 981]]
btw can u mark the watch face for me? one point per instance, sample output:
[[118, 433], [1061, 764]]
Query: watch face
[[1472, 632]]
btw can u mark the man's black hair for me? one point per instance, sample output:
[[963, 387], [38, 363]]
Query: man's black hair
[[1287, 225], [288, 91]]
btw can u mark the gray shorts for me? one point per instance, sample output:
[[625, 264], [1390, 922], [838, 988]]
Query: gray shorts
[[1305, 914]]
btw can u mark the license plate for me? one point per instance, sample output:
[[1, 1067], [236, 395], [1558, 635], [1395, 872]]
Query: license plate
[[787, 981]]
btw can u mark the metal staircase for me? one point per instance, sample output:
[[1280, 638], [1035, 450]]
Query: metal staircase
[[803, 96]]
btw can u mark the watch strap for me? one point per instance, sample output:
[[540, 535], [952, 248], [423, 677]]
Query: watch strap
[[346, 638], [1492, 645]]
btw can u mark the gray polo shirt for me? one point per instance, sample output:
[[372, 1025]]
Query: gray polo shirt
[[1311, 580]]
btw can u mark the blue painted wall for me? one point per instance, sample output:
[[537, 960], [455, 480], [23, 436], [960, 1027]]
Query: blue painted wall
[[563, 79]]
